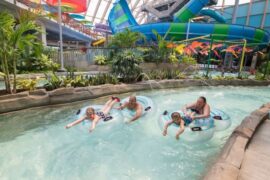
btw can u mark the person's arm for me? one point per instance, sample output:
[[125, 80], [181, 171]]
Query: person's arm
[[123, 106], [188, 106], [93, 125], [206, 113], [75, 122], [166, 127], [138, 114], [181, 130]]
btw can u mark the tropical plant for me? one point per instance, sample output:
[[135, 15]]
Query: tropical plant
[[188, 60], [27, 84], [126, 65], [162, 49], [218, 78], [103, 79], [54, 81], [243, 75], [264, 68], [165, 74], [126, 39], [79, 81], [2, 74], [229, 78], [41, 63], [14, 39], [259, 76], [198, 77], [100, 60], [7, 22], [173, 58]]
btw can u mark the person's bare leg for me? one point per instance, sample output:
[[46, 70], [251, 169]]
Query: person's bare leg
[[108, 102], [106, 105], [109, 107]]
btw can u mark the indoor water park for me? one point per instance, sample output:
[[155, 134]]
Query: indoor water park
[[135, 89]]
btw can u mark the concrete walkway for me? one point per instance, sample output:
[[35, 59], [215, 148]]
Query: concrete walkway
[[246, 154], [256, 162]]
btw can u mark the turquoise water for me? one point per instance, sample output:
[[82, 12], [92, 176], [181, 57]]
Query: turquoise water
[[35, 145]]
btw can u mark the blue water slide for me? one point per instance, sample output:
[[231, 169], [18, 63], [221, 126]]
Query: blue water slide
[[120, 18], [190, 10], [213, 14]]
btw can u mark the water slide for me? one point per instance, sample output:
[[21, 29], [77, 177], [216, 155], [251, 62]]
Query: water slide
[[120, 17], [99, 42], [213, 14]]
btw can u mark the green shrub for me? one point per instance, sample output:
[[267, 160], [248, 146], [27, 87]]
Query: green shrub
[[259, 76], [188, 60], [243, 75], [79, 81], [173, 58], [126, 65], [54, 82], [198, 77], [103, 79], [218, 77], [263, 66], [229, 77], [27, 84], [2, 74], [164, 74], [100, 60], [46, 64]]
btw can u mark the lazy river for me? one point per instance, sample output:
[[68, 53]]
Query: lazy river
[[35, 145]]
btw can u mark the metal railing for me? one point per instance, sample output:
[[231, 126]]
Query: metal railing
[[79, 57], [66, 20]]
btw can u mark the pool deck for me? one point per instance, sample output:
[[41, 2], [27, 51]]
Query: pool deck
[[256, 162], [246, 154]]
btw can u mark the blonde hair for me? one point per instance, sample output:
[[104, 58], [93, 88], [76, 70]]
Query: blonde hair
[[90, 111], [176, 115]]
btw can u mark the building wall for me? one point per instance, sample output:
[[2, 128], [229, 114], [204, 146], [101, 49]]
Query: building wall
[[256, 14]]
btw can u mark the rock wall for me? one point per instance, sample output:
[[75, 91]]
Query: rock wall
[[228, 164], [41, 97]]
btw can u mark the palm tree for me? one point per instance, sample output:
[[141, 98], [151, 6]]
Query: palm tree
[[162, 45], [126, 39], [15, 39], [20, 38], [7, 22]]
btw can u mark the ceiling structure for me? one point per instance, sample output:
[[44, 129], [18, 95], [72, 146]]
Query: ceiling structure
[[98, 10]]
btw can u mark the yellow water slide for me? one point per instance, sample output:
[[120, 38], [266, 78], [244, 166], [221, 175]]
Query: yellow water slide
[[99, 42]]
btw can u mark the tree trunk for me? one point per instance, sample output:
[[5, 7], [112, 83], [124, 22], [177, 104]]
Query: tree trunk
[[7, 79], [14, 75]]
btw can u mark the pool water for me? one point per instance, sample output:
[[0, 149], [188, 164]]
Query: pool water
[[35, 145]]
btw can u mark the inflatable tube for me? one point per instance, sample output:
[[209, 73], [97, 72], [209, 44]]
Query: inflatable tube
[[221, 120], [146, 102], [198, 131], [115, 114]]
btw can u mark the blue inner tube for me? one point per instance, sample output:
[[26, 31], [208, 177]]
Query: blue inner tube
[[221, 120], [147, 105], [200, 130], [114, 114]]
